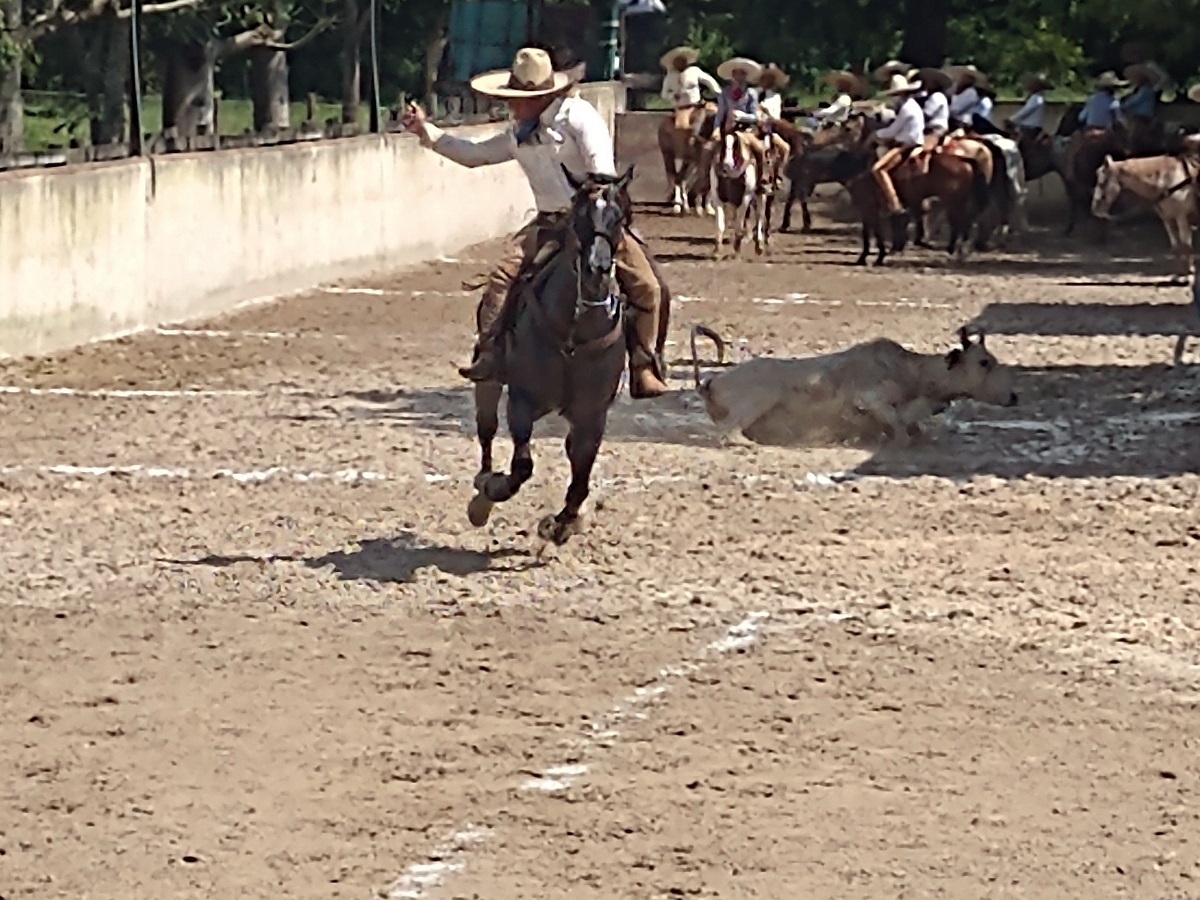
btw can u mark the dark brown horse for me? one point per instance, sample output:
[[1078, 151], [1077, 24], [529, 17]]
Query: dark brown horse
[[812, 153], [565, 353]]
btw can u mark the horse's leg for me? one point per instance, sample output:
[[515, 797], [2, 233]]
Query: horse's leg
[[719, 222], [866, 241], [583, 445], [499, 487], [487, 423], [786, 223], [805, 216], [668, 157], [879, 241]]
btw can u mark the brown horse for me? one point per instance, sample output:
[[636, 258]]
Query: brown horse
[[566, 354], [958, 174], [1086, 151], [737, 190], [681, 148]]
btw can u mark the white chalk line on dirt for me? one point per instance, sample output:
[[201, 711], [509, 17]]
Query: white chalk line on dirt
[[352, 476], [263, 335], [448, 857], [162, 393], [807, 300]]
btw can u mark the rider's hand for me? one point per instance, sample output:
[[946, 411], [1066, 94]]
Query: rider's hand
[[413, 120]]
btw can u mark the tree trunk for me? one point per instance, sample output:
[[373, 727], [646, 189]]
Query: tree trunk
[[12, 109], [435, 45], [188, 105], [110, 116], [925, 32], [269, 87], [351, 62]]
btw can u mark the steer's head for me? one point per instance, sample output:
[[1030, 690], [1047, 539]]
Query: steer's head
[[972, 371]]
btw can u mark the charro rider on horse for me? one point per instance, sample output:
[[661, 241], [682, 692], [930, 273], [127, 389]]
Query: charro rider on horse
[[683, 82], [903, 135], [737, 104], [850, 87], [935, 104], [1028, 122], [770, 110], [549, 130]]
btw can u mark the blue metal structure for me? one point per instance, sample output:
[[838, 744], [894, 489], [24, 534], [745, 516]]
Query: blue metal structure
[[485, 34]]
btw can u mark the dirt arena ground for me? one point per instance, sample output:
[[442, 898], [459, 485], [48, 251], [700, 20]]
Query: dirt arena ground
[[251, 647]]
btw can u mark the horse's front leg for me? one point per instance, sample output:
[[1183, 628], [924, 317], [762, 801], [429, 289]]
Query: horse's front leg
[[583, 445], [487, 423], [719, 222], [500, 486]]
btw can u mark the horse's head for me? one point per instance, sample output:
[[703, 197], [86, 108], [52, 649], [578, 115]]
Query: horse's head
[[735, 155], [1108, 188], [599, 212]]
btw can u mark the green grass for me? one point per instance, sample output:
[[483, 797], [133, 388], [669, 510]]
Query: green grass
[[46, 112]]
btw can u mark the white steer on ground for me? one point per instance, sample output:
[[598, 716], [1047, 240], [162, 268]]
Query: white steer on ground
[[872, 390]]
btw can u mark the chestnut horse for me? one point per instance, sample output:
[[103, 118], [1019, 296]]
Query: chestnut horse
[[681, 150]]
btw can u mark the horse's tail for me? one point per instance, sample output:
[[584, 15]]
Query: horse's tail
[[981, 189], [702, 331]]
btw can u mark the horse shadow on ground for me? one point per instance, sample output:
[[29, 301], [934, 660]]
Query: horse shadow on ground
[[390, 560]]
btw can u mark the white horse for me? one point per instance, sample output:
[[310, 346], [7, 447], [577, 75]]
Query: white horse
[[1168, 182], [735, 190]]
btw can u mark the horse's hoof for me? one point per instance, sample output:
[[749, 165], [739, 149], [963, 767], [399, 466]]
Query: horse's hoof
[[677, 209], [481, 480], [759, 249], [556, 532], [479, 510]]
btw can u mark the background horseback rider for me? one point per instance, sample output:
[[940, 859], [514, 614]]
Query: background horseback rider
[[935, 104], [904, 134], [737, 104], [1027, 124], [550, 130], [770, 108], [684, 81]]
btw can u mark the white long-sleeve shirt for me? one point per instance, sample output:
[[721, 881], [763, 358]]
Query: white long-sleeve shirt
[[770, 104], [908, 128], [1033, 113], [937, 111], [682, 89], [571, 132], [963, 104]]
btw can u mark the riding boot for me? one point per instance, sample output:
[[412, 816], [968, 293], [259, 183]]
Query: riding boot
[[643, 296], [495, 309], [644, 380]]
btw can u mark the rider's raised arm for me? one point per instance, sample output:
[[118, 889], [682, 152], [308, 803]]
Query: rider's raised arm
[[496, 149], [586, 127], [708, 81]]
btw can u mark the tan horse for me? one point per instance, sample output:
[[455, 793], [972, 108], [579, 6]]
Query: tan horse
[[681, 150], [1168, 182]]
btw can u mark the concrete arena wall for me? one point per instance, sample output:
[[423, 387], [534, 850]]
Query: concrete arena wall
[[92, 251]]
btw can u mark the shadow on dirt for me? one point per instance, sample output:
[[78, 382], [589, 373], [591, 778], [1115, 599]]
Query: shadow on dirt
[[1072, 422], [1090, 319], [394, 560]]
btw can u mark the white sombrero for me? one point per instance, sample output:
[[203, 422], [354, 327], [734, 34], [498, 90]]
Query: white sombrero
[[901, 85], [726, 69], [1193, 93], [890, 68], [847, 82], [532, 75], [932, 79], [690, 54], [1147, 71]]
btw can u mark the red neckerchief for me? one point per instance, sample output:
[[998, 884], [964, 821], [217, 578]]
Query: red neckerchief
[[735, 93]]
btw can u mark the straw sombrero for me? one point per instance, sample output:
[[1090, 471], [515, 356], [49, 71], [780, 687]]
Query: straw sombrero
[[1147, 72], [772, 76], [532, 75], [846, 82], [1109, 79], [932, 79], [890, 68], [901, 85], [958, 73], [1035, 83], [726, 69], [667, 60], [1193, 93]]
